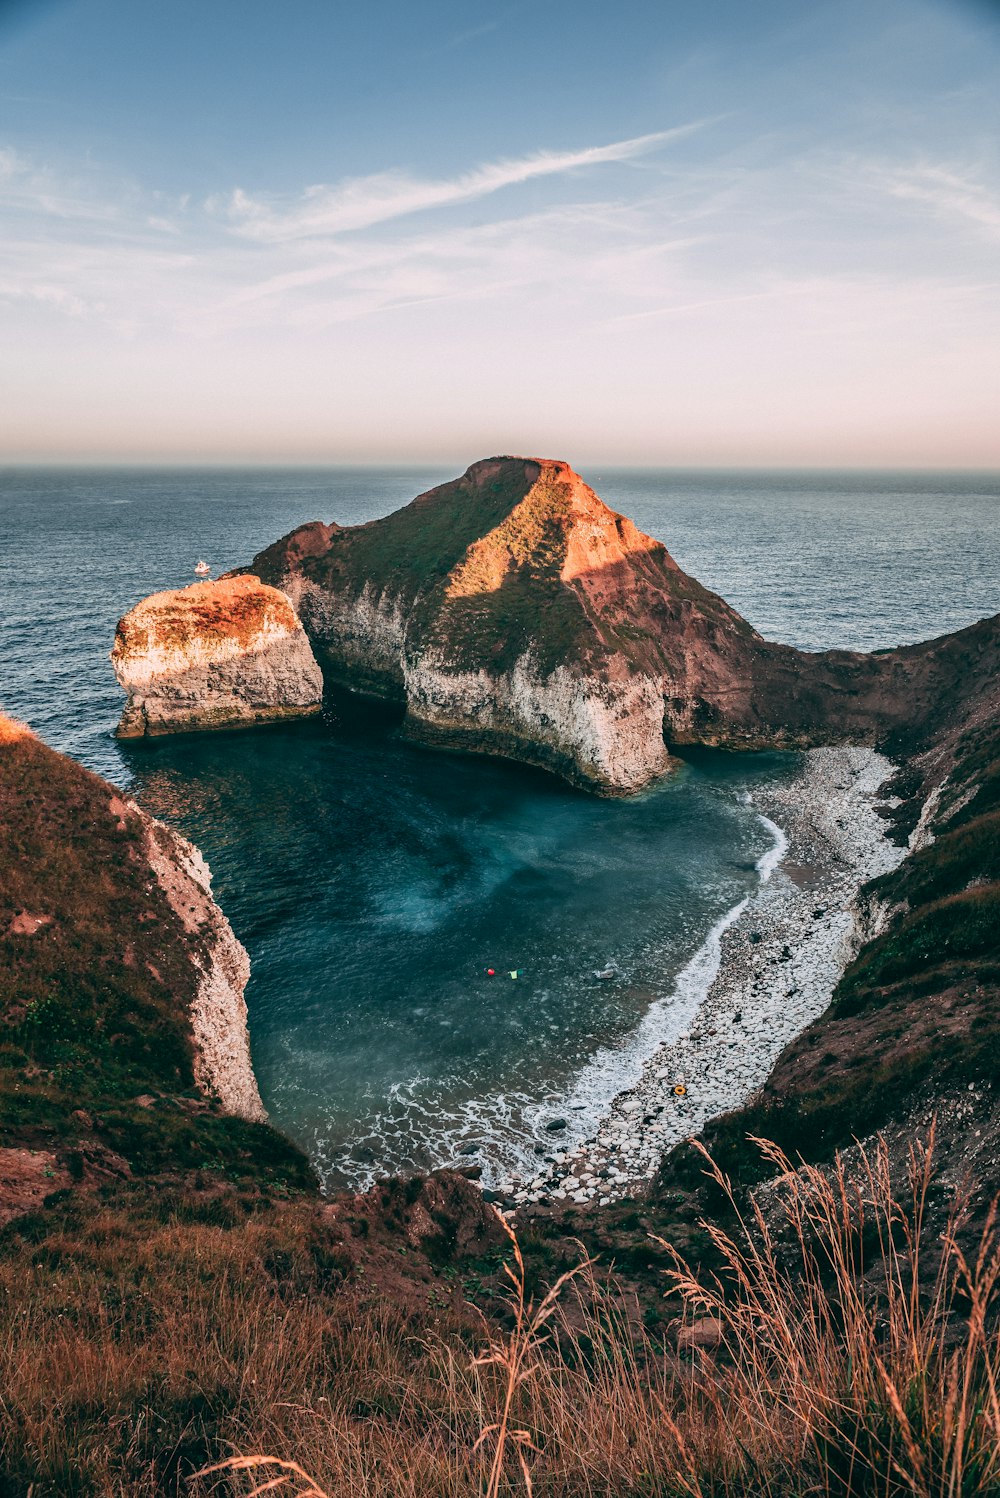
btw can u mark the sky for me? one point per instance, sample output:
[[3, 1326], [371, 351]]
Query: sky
[[677, 232]]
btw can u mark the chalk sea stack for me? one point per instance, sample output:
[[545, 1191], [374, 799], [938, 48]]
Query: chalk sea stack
[[226, 654], [512, 612]]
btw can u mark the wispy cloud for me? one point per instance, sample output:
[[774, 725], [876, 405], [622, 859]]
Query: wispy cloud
[[45, 293], [951, 194], [362, 202], [676, 246], [473, 33], [26, 186]]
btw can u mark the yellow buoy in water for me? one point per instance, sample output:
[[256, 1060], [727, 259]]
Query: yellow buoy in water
[[680, 1090]]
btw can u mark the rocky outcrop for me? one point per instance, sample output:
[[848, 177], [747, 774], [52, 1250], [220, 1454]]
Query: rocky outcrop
[[513, 613], [217, 1010], [226, 654]]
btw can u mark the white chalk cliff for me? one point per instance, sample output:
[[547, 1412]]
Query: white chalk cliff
[[226, 654], [218, 1014]]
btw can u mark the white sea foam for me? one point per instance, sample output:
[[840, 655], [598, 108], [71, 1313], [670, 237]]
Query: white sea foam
[[745, 993], [769, 861], [613, 1070]]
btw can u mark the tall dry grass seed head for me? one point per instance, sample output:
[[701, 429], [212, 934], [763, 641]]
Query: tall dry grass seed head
[[855, 1355]]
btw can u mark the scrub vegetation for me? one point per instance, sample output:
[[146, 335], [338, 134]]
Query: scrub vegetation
[[835, 1346]]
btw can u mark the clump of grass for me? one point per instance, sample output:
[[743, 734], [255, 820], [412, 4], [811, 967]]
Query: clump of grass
[[851, 1364], [843, 1354], [959, 930], [513, 1358]]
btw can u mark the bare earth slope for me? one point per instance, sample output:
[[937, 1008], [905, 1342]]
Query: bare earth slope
[[512, 612]]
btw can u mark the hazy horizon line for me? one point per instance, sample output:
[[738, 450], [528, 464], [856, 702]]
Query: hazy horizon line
[[461, 465]]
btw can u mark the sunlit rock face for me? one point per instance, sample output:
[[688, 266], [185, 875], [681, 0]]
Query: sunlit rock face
[[226, 654], [217, 1011], [511, 612]]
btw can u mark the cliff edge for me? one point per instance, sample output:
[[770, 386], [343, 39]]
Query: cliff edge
[[226, 654], [123, 1026]]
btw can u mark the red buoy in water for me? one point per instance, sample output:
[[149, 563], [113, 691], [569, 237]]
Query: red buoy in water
[[491, 972]]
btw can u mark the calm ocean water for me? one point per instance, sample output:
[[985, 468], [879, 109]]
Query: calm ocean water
[[373, 883]]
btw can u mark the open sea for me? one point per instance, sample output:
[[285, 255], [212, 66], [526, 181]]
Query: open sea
[[373, 882]]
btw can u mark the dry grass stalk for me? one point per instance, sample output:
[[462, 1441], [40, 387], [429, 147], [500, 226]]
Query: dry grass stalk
[[288, 1472], [842, 1354], [858, 1355], [849, 1364], [514, 1358]]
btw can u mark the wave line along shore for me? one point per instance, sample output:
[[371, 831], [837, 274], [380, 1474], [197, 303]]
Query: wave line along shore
[[768, 967]]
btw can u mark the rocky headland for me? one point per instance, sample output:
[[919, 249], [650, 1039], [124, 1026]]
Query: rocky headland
[[512, 612], [226, 654]]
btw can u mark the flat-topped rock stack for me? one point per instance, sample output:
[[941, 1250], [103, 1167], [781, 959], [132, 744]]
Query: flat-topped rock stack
[[226, 654]]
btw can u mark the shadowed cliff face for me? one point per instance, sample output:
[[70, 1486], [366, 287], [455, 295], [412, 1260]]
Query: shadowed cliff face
[[512, 612]]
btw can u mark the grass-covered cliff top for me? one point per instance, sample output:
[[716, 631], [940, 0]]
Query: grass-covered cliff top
[[97, 976], [518, 558], [518, 554]]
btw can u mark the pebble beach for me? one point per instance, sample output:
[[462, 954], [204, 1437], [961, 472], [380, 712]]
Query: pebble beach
[[766, 971]]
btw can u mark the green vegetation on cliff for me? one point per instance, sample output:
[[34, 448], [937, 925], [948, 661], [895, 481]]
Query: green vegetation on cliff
[[490, 567], [96, 984]]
